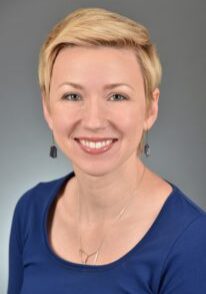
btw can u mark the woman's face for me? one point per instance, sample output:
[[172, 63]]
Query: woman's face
[[95, 110]]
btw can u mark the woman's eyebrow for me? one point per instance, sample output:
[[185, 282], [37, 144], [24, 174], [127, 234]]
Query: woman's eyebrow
[[109, 86]]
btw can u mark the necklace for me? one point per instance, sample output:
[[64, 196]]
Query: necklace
[[83, 254]]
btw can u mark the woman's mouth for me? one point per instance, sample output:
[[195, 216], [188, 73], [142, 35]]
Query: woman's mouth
[[95, 146]]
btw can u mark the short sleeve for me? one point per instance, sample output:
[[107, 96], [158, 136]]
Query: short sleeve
[[15, 254], [184, 270]]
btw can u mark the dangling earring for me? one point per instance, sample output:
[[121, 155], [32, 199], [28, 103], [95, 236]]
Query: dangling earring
[[147, 151], [53, 149]]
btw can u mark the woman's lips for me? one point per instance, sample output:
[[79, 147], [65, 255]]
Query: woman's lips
[[95, 139], [99, 150]]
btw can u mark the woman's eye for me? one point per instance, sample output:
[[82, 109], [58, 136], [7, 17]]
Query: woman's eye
[[116, 95], [70, 96], [76, 97]]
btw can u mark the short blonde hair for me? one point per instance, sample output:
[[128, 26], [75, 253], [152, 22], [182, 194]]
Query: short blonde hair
[[97, 27]]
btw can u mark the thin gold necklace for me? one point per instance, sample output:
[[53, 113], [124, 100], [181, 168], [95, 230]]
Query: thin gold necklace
[[83, 254]]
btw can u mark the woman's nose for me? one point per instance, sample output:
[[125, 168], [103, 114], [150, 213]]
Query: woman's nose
[[94, 114]]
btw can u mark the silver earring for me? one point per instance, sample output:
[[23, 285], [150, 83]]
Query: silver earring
[[147, 151], [53, 149]]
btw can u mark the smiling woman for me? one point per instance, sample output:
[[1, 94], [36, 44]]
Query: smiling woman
[[111, 225], [77, 30], [105, 108]]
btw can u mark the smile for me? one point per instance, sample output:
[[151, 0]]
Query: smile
[[96, 147]]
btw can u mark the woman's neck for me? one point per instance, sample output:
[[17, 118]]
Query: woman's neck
[[102, 198]]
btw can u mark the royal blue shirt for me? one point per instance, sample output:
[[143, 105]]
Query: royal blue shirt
[[169, 259]]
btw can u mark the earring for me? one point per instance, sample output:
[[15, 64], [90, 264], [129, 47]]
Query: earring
[[147, 151], [53, 149]]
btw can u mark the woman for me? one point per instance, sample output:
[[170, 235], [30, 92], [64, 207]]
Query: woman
[[112, 225]]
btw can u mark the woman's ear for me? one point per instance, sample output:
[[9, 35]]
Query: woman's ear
[[152, 112], [47, 112]]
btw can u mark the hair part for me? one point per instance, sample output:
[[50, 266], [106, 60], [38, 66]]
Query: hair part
[[98, 27]]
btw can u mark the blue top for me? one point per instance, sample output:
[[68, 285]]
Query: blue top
[[169, 259]]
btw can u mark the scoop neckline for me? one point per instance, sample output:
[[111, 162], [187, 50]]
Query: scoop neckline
[[87, 267]]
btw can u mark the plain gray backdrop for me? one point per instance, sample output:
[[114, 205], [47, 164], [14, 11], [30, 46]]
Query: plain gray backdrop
[[178, 138]]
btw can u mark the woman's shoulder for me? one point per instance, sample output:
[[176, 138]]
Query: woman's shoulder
[[179, 211], [185, 204], [40, 194], [185, 256], [183, 221], [177, 204]]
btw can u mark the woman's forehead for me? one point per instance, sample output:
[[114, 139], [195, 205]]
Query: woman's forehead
[[98, 56], [109, 65]]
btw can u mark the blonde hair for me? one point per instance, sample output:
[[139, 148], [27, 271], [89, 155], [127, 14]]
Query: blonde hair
[[97, 27]]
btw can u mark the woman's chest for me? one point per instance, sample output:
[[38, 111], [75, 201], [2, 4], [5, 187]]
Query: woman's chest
[[114, 241], [68, 239]]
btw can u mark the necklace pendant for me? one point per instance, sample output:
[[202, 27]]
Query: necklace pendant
[[84, 256]]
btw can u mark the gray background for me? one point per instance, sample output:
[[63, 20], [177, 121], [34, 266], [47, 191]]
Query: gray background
[[177, 140]]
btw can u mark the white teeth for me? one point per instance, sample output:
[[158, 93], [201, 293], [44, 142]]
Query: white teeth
[[95, 145]]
